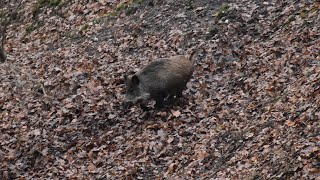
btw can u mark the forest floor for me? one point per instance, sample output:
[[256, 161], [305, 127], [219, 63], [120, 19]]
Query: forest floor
[[251, 111]]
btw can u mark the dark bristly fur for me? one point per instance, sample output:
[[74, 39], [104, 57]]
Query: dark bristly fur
[[161, 78]]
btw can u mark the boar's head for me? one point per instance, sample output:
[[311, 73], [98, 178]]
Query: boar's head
[[134, 91]]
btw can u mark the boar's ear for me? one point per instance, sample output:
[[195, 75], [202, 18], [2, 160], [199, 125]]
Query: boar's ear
[[135, 80], [125, 77]]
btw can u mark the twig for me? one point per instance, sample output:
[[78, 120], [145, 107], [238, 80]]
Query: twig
[[43, 90]]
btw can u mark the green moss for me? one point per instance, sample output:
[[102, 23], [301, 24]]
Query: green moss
[[33, 27], [99, 20], [30, 28], [138, 1], [131, 10], [128, 8], [72, 34], [113, 14], [213, 31], [50, 3], [256, 176], [36, 10], [121, 7], [188, 4], [291, 18], [222, 11], [305, 12], [46, 3], [2, 14], [55, 3], [84, 27]]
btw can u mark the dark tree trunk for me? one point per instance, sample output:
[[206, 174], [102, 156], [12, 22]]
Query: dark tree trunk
[[3, 56]]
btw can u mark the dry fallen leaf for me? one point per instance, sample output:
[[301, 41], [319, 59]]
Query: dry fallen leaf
[[37, 132], [10, 156], [91, 167], [201, 154], [163, 114], [172, 168], [290, 123], [249, 135], [176, 113], [170, 140]]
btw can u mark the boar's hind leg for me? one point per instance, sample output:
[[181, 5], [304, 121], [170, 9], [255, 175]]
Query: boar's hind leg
[[171, 96], [179, 93], [159, 103], [175, 95]]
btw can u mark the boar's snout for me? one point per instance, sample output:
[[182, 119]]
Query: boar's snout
[[127, 104]]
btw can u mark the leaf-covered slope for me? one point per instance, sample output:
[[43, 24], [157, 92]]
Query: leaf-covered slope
[[251, 111]]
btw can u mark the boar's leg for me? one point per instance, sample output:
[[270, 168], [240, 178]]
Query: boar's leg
[[159, 97], [159, 103], [180, 98], [144, 107], [179, 94], [174, 96], [171, 96]]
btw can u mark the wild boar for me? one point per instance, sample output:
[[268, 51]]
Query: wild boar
[[161, 78]]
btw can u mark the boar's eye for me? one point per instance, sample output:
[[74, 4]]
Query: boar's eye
[[135, 80], [130, 90]]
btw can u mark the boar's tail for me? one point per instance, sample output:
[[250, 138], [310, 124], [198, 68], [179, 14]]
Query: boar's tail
[[192, 54], [195, 51]]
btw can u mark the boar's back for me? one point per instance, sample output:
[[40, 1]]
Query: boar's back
[[166, 75]]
